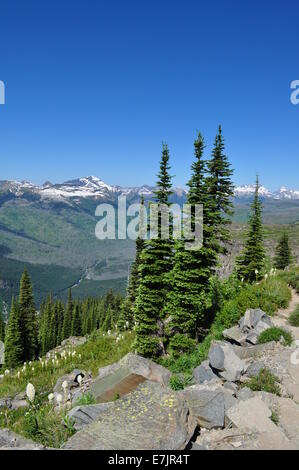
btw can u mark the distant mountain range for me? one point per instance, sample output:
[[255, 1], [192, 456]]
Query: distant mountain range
[[50, 229], [92, 187]]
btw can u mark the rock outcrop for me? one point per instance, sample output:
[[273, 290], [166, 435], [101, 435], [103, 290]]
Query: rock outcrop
[[151, 417]]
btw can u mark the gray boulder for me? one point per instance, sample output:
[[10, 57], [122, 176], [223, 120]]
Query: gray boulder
[[204, 373], [86, 414], [223, 358], [140, 366], [10, 440], [231, 387], [251, 318], [5, 402], [2, 349], [151, 417], [235, 335], [207, 404], [124, 377], [254, 369], [244, 393]]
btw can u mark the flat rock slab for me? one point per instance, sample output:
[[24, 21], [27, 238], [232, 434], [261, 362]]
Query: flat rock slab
[[119, 383], [255, 415], [10, 440], [151, 417], [86, 414]]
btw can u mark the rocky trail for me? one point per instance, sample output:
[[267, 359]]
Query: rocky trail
[[282, 315]]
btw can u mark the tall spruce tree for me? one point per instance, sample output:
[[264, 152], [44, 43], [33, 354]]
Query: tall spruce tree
[[68, 315], [250, 263], [2, 324], [14, 349], [76, 321], [283, 254], [187, 299], [155, 265], [28, 318], [220, 190], [127, 307]]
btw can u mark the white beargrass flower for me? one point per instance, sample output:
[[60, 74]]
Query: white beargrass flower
[[18, 374], [51, 397], [1, 376], [32, 368], [79, 379], [6, 372], [256, 271], [30, 392]]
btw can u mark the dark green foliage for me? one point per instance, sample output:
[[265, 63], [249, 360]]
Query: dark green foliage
[[220, 191], [67, 321], [283, 255], [274, 334], [76, 329], [28, 319], [155, 264], [294, 317], [2, 324], [86, 399], [251, 262], [126, 317], [265, 381], [187, 300], [13, 341]]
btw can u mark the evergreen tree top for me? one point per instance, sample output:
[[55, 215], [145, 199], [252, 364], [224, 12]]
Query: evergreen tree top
[[164, 179]]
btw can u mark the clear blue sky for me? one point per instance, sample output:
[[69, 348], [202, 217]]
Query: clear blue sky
[[94, 87]]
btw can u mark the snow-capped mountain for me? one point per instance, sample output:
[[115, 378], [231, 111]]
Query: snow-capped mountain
[[247, 191], [94, 188]]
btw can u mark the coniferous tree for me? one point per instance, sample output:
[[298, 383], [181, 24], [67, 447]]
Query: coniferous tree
[[2, 324], [155, 265], [283, 254], [76, 321], [127, 308], [220, 190], [67, 321], [188, 297], [14, 349], [28, 319], [250, 263]]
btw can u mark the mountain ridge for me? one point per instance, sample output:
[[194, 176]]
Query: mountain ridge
[[94, 187]]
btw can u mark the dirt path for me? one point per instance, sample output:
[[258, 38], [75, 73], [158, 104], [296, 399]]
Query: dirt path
[[282, 315]]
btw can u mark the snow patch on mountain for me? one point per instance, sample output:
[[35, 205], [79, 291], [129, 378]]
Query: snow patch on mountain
[[94, 187]]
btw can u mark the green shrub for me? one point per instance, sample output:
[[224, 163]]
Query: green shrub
[[294, 317], [274, 334], [86, 399], [274, 417], [181, 380], [265, 381]]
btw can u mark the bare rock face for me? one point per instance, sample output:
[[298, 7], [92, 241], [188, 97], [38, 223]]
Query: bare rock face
[[11, 441], [207, 404], [223, 358], [151, 417]]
